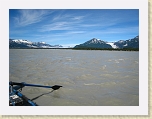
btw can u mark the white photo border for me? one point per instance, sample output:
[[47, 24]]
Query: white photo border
[[142, 5]]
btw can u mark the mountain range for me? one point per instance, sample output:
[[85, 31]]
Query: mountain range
[[121, 44], [93, 43], [19, 43]]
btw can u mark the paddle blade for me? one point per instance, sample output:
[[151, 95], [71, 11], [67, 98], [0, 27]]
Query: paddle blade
[[55, 87]]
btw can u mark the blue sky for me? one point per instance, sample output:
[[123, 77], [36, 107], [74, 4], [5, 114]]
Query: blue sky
[[69, 27]]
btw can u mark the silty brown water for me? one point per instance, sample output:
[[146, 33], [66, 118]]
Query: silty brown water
[[89, 78]]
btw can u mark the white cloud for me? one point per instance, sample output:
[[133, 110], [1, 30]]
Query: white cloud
[[74, 32], [78, 17], [27, 17], [55, 26]]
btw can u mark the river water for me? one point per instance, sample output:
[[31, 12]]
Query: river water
[[88, 77]]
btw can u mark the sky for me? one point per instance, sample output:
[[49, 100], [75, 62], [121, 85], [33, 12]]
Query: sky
[[69, 27]]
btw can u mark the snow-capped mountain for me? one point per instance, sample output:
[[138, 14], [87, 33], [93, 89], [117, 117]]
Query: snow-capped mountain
[[19, 43], [130, 43], [97, 43], [94, 43]]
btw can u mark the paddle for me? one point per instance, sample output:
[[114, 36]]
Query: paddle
[[55, 87]]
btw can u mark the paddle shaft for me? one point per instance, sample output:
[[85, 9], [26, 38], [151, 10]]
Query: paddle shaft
[[55, 87], [34, 85], [25, 84]]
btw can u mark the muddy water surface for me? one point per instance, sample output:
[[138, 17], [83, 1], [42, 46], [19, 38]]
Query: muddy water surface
[[89, 78]]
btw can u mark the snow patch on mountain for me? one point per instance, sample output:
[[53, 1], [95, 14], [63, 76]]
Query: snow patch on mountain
[[95, 40], [22, 41], [125, 45], [112, 45]]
